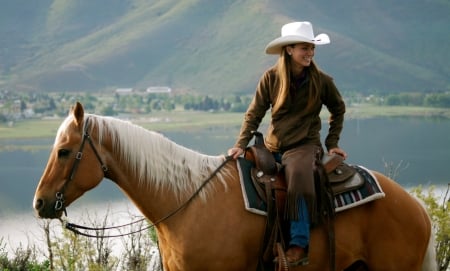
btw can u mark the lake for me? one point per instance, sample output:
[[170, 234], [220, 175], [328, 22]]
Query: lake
[[418, 148]]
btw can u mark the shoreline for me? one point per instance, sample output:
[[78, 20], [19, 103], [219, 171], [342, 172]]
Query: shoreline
[[45, 128]]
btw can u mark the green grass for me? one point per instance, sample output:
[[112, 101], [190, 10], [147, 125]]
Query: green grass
[[192, 121], [30, 129], [370, 111], [188, 121]]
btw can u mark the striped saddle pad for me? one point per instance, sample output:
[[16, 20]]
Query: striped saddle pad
[[369, 191]]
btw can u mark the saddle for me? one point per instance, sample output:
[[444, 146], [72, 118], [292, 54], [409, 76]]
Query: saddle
[[341, 176], [270, 184]]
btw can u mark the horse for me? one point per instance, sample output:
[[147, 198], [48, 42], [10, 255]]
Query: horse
[[196, 203]]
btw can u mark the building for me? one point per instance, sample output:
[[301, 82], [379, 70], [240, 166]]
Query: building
[[124, 90], [159, 89]]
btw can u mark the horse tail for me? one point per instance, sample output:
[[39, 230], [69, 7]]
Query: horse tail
[[429, 260]]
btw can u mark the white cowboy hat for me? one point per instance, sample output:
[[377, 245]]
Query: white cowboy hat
[[293, 33]]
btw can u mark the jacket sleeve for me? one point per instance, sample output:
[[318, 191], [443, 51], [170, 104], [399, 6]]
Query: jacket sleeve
[[256, 111], [332, 99]]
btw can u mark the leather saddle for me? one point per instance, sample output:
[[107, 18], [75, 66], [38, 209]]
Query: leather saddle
[[342, 177], [269, 182]]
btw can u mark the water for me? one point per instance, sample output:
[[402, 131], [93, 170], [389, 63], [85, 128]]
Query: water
[[418, 147]]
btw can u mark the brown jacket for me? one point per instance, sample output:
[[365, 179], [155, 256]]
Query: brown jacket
[[291, 125]]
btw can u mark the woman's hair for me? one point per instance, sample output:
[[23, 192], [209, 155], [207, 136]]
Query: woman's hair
[[283, 69]]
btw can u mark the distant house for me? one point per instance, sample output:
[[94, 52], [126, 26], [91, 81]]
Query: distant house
[[124, 90], [159, 90]]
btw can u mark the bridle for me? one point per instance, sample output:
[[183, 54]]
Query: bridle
[[76, 228], [59, 204]]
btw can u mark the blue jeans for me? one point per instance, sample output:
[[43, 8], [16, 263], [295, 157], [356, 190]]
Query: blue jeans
[[299, 229]]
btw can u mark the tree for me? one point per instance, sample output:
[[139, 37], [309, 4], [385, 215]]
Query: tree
[[108, 110], [438, 100]]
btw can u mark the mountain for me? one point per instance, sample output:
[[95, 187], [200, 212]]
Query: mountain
[[217, 47]]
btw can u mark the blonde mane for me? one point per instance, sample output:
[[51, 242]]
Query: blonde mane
[[152, 158]]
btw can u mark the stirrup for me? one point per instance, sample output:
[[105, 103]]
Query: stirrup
[[280, 260], [303, 261]]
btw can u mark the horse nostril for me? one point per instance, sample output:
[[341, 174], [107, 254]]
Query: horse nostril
[[38, 204]]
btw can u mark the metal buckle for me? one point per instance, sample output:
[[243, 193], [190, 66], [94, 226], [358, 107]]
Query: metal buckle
[[59, 204]]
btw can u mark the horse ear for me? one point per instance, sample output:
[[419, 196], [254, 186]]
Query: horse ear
[[78, 113]]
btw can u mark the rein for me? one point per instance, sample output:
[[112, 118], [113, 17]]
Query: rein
[[76, 228]]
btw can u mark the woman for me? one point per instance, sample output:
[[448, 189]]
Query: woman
[[295, 90]]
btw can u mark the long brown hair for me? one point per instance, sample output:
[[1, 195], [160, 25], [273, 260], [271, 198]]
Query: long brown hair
[[283, 70]]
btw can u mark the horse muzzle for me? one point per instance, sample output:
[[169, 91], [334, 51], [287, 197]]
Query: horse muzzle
[[46, 209]]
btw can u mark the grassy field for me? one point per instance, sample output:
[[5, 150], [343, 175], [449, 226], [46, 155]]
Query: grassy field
[[371, 111], [191, 121], [160, 121]]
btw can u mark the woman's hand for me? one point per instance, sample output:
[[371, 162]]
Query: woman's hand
[[235, 152], [339, 151]]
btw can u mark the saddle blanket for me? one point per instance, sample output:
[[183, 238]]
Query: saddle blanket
[[371, 190]]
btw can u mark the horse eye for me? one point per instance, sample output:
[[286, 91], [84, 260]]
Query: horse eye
[[62, 153]]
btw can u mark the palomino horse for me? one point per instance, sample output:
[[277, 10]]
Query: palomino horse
[[213, 231]]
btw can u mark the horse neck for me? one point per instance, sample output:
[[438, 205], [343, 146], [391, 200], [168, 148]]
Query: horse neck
[[154, 172]]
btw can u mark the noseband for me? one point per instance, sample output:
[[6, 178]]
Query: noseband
[[59, 204]]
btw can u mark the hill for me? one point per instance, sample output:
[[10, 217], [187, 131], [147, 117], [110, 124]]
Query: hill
[[215, 47]]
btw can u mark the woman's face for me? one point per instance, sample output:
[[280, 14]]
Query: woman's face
[[301, 54]]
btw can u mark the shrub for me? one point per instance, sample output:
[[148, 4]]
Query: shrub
[[438, 209]]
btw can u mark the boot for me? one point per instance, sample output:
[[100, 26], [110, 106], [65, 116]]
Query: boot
[[296, 255]]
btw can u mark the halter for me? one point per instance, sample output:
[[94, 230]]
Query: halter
[[59, 204]]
